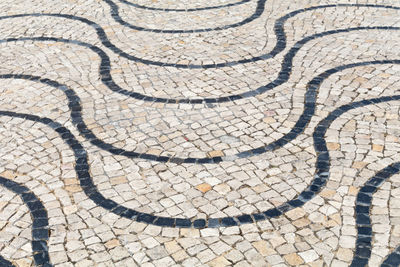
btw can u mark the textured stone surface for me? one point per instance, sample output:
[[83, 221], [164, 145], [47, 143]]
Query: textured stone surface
[[198, 133]]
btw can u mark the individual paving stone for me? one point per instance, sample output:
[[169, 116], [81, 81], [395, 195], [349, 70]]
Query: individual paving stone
[[204, 187], [309, 255], [293, 259]]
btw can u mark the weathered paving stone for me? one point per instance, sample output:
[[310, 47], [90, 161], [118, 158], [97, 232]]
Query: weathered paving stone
[[199, 133]]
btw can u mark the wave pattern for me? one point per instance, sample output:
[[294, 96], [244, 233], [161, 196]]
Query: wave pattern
[[313, 124]]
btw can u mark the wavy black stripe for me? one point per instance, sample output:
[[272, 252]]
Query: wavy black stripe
[[74, 104], [87, 184], [323, 159], [304, 119], [114, 11], [393, 259], [5, 263], [259, 10], [183, 9], [40, 221], [364, 197], [278, 29], [319, 181], [283, 76], [362, 210]]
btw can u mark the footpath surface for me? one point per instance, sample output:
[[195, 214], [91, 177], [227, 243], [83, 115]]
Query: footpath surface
[[199, 133]]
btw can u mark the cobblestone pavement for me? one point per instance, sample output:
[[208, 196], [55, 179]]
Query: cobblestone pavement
[[199, 133]]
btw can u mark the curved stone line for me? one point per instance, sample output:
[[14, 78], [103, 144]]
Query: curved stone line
[[283, 76], [90, 189], [320, 178], [259, 10], [74, 104], [364, 196], [115, 15], [75, 107], [76, 110], [278, 30], [280, 45], [393, 259], [40, 221], [363, 220], [5, 263], [183, 10]]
